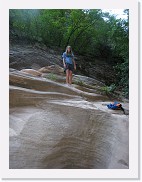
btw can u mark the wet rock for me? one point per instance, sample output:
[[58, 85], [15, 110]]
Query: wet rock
[[35, 66], [24, 56], [12, 69], [40, 46]]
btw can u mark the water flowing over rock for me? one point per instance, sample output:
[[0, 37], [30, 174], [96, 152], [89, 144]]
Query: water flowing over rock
[[55, 126]]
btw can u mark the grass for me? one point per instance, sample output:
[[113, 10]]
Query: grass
[[79, 82], [52, 76]]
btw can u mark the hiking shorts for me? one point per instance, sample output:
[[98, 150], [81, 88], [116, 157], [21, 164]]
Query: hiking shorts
[[69, 66]]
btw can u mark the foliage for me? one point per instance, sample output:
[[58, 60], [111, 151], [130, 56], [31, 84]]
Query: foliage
[[123, 74], [52, 76], [109, 89], [79, 82]]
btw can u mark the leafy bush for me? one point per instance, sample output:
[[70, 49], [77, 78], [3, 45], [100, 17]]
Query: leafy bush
[[109, 89], [123, 77]]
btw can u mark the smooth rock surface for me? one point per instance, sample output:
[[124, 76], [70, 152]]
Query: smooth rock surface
[[52, 69], [55, 126], [31, 72]]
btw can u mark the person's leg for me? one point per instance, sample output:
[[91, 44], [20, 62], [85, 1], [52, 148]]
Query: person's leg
[[67, 76], [70, 77]]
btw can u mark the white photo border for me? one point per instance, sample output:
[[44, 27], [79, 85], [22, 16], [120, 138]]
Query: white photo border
[[133, 171]]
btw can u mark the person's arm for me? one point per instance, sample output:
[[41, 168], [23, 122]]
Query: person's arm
[[74, 61], [74, 64], [63, 56], [64, 63]]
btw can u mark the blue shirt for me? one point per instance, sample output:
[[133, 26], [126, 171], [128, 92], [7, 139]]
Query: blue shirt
[[68, 58]]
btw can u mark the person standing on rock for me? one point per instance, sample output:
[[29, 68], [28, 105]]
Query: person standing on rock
[[69, 64]]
